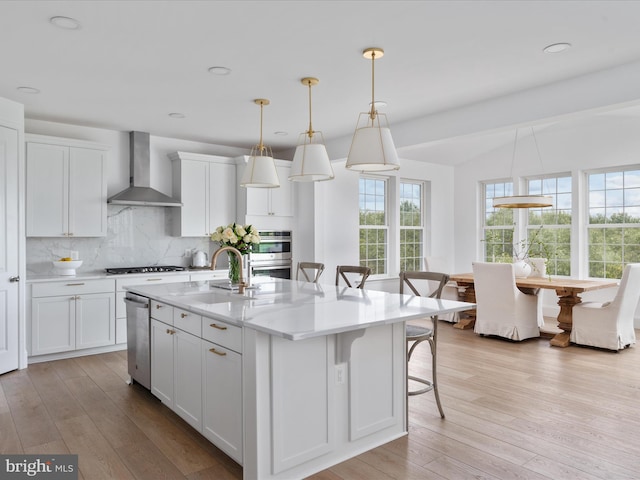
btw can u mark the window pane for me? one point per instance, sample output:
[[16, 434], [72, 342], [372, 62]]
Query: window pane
[[614, 231], [549, 229], [498, 224], [411, 221], [373, 223]]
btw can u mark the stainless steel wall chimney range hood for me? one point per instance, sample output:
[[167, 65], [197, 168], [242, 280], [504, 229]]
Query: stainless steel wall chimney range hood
[[140, 191]]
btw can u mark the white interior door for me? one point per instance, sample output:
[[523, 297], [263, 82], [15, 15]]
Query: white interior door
[[8, 249]]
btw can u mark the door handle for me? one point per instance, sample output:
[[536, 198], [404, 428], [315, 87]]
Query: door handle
[[14, 279]]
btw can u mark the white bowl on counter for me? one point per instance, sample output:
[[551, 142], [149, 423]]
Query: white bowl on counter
[[66, 268]]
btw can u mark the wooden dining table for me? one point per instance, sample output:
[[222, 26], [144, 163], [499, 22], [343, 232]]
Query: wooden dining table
[[567, 289]]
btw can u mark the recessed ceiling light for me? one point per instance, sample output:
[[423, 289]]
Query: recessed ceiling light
[[28, 90], [67, 23], [280, 133], [219, 71], [556, 47], [177, 115]]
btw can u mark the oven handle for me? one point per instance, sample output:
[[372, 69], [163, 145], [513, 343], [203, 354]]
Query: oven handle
[[270, 267]]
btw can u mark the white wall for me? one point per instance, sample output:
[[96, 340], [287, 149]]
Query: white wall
[[118, 171], [336, 222], [149, 234], [572, 146]]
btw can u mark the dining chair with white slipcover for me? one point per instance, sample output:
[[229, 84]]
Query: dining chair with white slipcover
[[502, 309], [610, 324], [418, 282]]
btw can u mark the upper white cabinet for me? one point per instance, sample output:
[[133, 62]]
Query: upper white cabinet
[[66, 187], [206, 186], [273, 202]]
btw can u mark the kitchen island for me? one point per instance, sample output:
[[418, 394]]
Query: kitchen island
[[288, 378]]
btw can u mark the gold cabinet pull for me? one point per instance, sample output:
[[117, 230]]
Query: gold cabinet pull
[[217, 326], [213, 350], [170, 331], [158, 306], [183, 315], [74, 284], [153, 279]]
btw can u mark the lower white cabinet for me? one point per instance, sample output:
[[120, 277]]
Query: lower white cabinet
[[176, 371], [222, 398], [198, 379], [72, 315]]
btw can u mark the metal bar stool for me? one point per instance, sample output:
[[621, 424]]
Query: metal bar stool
[[418, 334]]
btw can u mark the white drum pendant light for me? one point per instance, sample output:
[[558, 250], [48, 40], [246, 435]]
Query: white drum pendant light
[[372, 148], [311, 162], [523, 201], [261, 169]]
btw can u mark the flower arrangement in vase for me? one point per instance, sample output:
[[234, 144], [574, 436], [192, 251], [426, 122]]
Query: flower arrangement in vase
[[240, 237]]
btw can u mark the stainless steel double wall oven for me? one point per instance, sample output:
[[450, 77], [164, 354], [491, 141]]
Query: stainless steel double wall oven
[[272, 256]]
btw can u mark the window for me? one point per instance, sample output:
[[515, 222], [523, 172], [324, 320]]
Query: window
[[498, 224], [411, 226], [614, 221], [374, 227], [549, 228]]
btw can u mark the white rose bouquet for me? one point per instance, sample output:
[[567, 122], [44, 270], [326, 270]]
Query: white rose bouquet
[[242, 237]]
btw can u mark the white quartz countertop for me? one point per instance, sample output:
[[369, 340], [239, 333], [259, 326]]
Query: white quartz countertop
[[101, 274], [297, 310]]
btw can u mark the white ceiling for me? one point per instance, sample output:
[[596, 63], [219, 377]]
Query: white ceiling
[[133, 62]]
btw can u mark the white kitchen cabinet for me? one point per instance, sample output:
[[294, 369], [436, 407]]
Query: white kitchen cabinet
[[52, 325], [95, 321], [222, 398], [176, 369], [66, 187], [206, 186], [72, 315], [271, 202], [162, 361]]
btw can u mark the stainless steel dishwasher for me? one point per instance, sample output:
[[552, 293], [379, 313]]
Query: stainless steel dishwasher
[[138, 339]]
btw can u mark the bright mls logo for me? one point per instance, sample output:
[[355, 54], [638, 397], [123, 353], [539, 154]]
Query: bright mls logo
[[49, 467]]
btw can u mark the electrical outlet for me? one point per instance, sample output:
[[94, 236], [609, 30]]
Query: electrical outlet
[[187, 252], [341, 372]]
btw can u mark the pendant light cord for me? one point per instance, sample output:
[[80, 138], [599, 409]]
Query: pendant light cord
[[513, 155], [535, 141], [372, 113], [260, 145], [310, 132]]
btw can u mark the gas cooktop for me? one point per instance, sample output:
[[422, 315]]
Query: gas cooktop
[[150, 269]]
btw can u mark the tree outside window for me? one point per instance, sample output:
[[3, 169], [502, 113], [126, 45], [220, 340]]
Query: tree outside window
[[373, 224], [411, 226], [614, 221], [498, 224], [551, 226]]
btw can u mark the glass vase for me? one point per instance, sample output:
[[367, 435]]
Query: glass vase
[[234, 268]]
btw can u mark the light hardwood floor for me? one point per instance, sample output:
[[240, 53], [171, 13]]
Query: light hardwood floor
[[514, 410]]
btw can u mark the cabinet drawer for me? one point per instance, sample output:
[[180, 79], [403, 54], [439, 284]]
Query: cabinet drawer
[[228, 336], [187, 321], [162, 311], [151, 279], [71, 287], [204, 275]]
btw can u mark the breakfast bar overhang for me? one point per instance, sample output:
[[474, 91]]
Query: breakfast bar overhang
[[323, 367]]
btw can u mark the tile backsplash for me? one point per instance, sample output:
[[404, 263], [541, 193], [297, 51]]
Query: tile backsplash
[[136, 236]]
